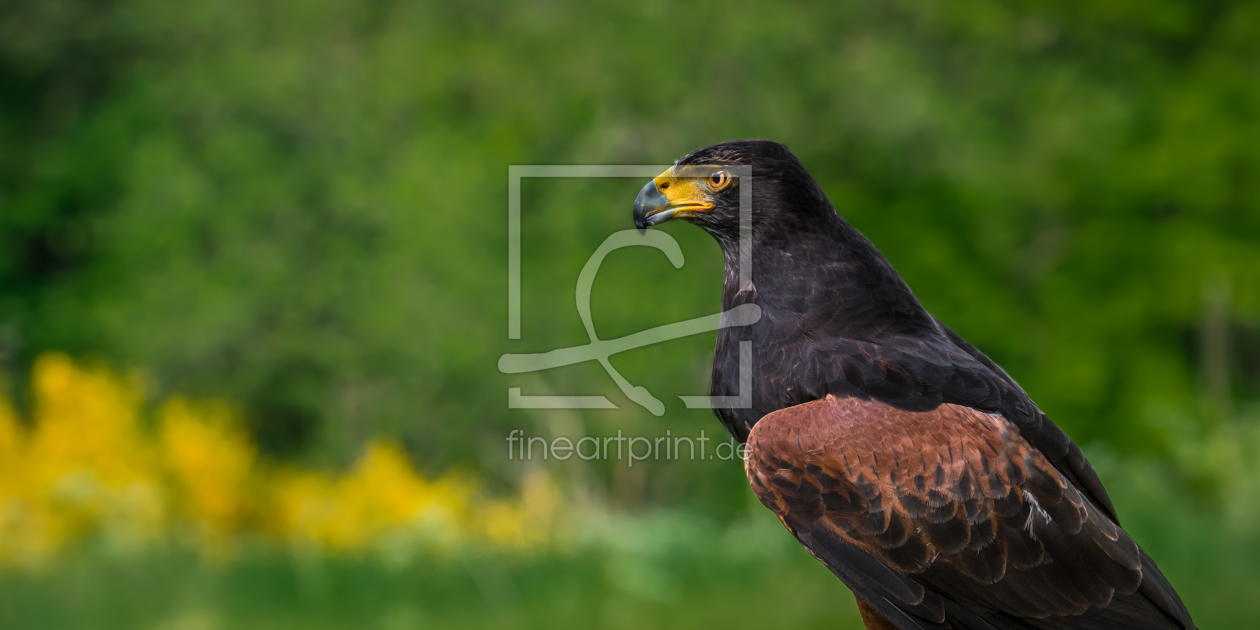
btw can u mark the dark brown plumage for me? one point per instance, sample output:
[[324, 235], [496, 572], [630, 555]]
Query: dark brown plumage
[[900, 456], [953, 497]]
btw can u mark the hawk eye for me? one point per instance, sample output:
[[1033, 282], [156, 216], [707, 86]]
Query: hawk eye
[[718, 180]]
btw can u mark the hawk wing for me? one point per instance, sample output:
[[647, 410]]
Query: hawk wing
[[950, 519]]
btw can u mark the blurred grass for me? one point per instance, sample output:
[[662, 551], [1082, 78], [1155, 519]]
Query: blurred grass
[[683, 577], [662, 570]]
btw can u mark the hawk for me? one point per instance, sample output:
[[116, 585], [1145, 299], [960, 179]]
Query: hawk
[[899, 455]]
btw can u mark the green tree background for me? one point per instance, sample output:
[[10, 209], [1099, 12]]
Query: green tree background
[[302, 206]]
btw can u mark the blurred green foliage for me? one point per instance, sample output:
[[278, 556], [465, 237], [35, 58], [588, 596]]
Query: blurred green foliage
[[302, 205]]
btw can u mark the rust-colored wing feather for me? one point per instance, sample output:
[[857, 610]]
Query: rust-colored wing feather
[[949, 519]]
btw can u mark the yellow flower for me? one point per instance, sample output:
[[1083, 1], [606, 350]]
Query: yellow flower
[[382, 496], [209, 459], [86, 466]]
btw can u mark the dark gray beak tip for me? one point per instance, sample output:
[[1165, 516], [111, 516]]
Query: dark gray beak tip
[[649, 199]]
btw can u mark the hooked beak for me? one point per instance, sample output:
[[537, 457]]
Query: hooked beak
[[673, 194], [651, 207]]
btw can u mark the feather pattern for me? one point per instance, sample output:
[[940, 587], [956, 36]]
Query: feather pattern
[[929, 512]]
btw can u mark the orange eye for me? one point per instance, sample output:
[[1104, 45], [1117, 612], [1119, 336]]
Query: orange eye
[[718, 180]]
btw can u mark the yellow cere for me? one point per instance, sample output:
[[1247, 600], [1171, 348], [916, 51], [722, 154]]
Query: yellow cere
[[85, 465], [687, 189]]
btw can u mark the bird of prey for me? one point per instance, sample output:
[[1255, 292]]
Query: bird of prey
[[898, 454]]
